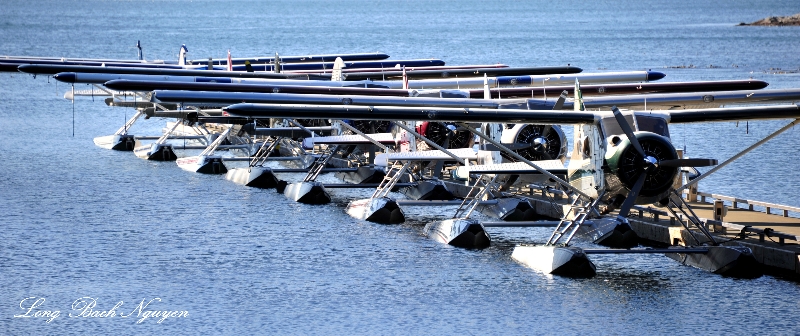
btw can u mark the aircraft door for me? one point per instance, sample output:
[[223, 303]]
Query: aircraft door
[[585, 166]]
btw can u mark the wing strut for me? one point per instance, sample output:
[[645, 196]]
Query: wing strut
[[737, 156], [522, 159], [429, 142]]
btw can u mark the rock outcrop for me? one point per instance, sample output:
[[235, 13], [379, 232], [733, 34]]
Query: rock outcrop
[[793, 20]]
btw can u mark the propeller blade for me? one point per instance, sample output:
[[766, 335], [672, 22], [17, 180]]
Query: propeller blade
[[628, 131], [448, 134], [546, 156], [632, 195], [689, 163], [546, 130], [561, 99], [517, 146]]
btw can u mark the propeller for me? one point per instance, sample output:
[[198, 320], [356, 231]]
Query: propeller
[[561, 99], [539, 144], [632, 195], [689, 163], [649, 164], [371, 126], [628, 131], [451, 130], [535, 142], [447, 135]]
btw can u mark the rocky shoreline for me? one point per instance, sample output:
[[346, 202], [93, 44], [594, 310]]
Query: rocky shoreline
[[793, 20]]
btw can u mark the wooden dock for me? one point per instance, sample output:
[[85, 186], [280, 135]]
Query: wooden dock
[[777, 222], [773, 238], [767, 229]]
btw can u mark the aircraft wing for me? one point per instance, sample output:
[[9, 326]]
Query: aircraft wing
[[553, 166], [502, 115], [409, 113], [436, 73], [733, 114], [684, 99], [211, 97], [383, 159]]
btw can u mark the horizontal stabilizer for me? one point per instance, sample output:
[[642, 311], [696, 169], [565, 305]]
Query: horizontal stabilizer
[[136, 104], [553, 166], [293, 132], [439, 203], [355, 139], [69, 95], [181, 114], [432, 155]]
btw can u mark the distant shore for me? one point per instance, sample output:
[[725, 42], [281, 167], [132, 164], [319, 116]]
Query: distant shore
[[793, 20]]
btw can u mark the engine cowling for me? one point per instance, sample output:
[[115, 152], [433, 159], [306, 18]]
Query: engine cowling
[[371, 126], [536, 142], [438, 133], [624, 164], [313, 122]]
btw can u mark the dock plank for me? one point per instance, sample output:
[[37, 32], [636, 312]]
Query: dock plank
[[777, 222]]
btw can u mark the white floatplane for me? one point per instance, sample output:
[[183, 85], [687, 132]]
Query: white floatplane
[[611, 164]]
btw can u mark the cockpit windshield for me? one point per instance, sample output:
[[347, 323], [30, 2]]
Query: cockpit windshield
[[646, 123]]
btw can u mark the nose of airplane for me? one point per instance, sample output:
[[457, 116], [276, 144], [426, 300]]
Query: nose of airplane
[[655, 75], [68, 77]]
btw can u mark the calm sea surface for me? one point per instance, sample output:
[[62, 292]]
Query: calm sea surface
[[80, 221]]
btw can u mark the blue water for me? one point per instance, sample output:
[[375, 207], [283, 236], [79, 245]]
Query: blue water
[[80, 221]]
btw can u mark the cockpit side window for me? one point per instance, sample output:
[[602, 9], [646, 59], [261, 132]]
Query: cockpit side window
[[646, 123], [653, 124]]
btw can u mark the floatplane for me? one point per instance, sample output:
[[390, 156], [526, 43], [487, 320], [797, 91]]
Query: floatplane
[[520, 137], [121, 140], [618, 160], [118, 141], [436, 131], [520, 133], [534, 142]]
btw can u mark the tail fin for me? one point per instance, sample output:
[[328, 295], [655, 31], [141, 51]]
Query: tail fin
[[230, 63], [140, 53], [486, 93], [277, 68], [336, 75], [578, 103], [182, 55]]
